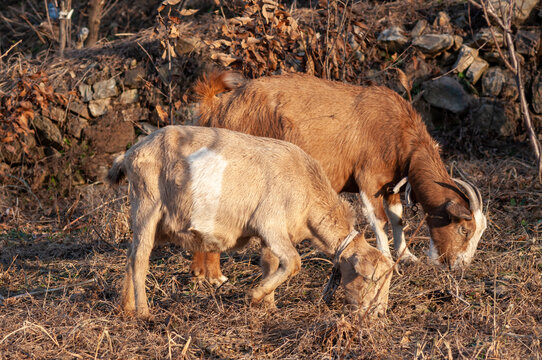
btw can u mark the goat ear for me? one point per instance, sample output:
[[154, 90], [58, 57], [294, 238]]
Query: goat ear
[[457, 211]]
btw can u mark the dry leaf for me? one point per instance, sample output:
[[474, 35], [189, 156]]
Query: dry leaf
[[188, 12], [162, 114], [268, 12], [225, 59], [407, 84], [241, 20]]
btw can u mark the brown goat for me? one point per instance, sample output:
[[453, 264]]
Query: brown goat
[[213, 189], [367, 139]]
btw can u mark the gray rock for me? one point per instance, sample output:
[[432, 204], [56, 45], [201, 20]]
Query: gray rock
[[79, 109], [493, 57], [484, 38], [490, 116], [527, 42], [48, 130], [76, 125], [393, 38], [476, 70], [522, 8], [86, 92], [509, 89], [446, 93], [458, 42], [134, 78], [465, 58], [432, 44], [105, 89], [492, 82], [418, 28], [129, 96], [99, 107], [54, 113], [537, 94]]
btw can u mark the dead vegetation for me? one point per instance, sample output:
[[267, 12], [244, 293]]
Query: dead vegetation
[[491, 310]]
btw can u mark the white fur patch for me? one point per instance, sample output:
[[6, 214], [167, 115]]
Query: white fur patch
[[395, 214], [206, 175], [432, 253], [376, 224], [481, 225]]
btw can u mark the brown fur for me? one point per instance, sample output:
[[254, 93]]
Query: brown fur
[[268, 189], [365, 138]]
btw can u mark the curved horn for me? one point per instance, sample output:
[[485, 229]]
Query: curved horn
[[475, 198]]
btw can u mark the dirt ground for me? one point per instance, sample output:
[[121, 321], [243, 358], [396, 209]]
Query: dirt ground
[[62, 258], [60, 271]]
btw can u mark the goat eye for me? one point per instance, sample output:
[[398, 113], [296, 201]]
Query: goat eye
[[463, 231]]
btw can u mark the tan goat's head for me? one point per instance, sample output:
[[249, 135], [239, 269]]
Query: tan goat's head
[[365, 276], [456, 230]]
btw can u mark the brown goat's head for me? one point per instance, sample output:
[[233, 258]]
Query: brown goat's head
[[365, 276], [456, 230]]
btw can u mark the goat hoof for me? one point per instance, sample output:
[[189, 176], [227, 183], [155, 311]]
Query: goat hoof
[[408, 259], [257, 296], [217, 281], [144, 314]]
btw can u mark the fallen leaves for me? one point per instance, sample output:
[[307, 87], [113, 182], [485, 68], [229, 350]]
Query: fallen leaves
[[32, 92]]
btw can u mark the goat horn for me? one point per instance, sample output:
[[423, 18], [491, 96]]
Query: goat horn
[[475, 198]]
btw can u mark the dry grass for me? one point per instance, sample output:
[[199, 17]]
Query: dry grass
[[491, 310]]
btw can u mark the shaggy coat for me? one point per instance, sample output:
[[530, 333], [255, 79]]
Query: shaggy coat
[[211, 190], [367, 139]]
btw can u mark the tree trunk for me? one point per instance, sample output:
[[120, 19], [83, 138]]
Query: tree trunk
[[94, 18]]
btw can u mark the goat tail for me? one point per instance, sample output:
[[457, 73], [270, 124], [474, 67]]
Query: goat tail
[[117, 171], [215, 83]]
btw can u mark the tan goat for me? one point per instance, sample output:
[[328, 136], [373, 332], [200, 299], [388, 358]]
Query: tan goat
[[211, 190], [367, 139]]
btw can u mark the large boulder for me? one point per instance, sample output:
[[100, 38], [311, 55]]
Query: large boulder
[[446, 93]]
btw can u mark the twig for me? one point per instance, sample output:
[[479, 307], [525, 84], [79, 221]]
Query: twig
[[93, 211], [46, 291], [185, 347], [10, 48], [33, 28]]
